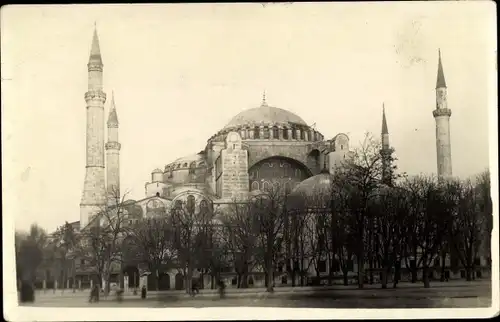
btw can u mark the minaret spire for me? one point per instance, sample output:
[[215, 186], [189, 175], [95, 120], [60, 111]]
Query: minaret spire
[[384, 121], [442, 116], [113, 147], [94, 189], [113, 116], [441, 82], [95, 50], [386, 151]]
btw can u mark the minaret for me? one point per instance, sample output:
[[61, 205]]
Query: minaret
[[442, 116], [385, 151], [94, 189], [113, 156]]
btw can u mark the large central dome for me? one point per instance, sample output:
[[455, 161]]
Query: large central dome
[[265, 114]]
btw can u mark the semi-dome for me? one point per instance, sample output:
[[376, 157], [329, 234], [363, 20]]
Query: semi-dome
[[314, 192], [265, 114]]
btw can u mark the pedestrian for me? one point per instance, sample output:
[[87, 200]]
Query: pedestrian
[[222, 288], [143, 292], [27, 293], [194, 288], [94, 294]]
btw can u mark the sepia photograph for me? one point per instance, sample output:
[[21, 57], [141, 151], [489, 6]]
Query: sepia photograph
[[258, 161]]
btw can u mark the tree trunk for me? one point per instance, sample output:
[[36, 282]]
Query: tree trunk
[[244, 281], [469, 273], [361, 270], [425, 272], [345, 275], [443, 267], [371, 270], [414, 271], [269, 276], [397, 273], [385, 272]]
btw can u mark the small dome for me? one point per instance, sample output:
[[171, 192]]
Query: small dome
[[157, 171], [186, 161], [265, 114], [313, 192]]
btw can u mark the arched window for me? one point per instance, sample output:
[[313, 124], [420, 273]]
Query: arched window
[[256, 131], [192, 166], [185, 165], [255, 186], [266, 133], [294, 134], [285, 133], [190, 204], [204, 206], [157, 194], [266, 186], [276, 132], [178, 166]]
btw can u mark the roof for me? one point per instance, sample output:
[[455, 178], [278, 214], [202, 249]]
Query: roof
[[264, 114], [314, 191], [384, 122], [113, 116], [95, 51], [441, 82]]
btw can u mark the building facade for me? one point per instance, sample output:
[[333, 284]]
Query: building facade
[[259, 148]]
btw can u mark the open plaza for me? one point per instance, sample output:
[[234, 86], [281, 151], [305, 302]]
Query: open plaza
[[461, 294]]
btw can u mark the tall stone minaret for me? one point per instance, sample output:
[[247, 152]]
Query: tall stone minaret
[[94, 189], [113, 156], [442, 116], [385, 151]]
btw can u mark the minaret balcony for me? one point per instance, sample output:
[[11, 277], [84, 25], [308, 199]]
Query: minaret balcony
[[95, 95], [95, 66], [113, 146], [441, 112]]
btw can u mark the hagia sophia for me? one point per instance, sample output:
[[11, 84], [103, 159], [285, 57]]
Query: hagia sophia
[[259, 147]]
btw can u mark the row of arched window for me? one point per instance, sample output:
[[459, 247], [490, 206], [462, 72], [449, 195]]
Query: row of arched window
[[191, 166], [275, 132], [268, 186]]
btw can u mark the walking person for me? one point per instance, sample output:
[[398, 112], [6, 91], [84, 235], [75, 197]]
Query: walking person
[[222, 289], [194, 288], [94, 294]]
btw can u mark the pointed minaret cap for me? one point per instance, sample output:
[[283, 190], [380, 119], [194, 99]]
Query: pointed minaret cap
[[384, 121], [441, 83], [95, 51], [113, 117]]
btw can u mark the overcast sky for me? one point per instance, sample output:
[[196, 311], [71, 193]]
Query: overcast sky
[[181, 72]]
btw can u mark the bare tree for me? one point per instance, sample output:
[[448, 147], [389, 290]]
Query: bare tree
[[240, 236], [30, 249], [152, 240], [389, 210], [101, 240], [469, 222], [429, 217], [360, 176], [192, 226], [269, 210], [64, 242]]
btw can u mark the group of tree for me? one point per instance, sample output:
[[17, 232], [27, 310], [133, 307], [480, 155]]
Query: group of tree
[[368, 211]]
